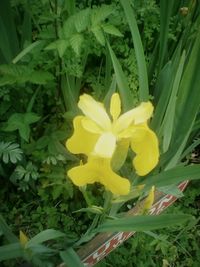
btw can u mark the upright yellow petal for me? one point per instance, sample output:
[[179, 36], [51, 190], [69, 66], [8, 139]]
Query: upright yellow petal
[[23, 239], [81, 141], [148, 202], [137, 115], [99, 170], [145, 144], [115, 106], [95, 111], [105, 145]]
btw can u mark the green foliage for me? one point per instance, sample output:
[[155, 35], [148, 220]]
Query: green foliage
[[50, 53], [10, 152], [21, 122]]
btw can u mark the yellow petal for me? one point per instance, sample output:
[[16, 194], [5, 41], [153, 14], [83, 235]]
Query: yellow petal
[[105, 145], [137, 115], [115, 106], [148, 202], [23, 239], [99, 170], [95, 111], [115, 183], [91, 126], [81, 141], [145, 144], [120, 154], [83, 175]]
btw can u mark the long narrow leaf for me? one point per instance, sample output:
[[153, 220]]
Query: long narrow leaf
[[139, 52], [174, 176], [44, 236], [121, 81], [143, 223], [165, 14], [27, 50]]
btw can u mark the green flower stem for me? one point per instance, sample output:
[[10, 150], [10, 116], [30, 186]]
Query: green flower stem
[[85, 195], [106, 207]]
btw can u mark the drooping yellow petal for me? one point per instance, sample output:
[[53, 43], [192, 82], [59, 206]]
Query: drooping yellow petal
[[83, 175], [115, 106], [95, 111], [105, 145], [99, 170], [81, 141], [120, 154], [145, 144], [23, 239], [137, 115]]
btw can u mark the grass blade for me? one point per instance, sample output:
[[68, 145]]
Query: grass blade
[[139, 52]]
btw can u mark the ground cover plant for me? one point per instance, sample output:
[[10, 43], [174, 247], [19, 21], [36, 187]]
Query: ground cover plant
[[61, 63]]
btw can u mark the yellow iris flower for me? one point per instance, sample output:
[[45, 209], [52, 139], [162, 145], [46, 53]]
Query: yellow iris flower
[[99, 170], [97, 135]]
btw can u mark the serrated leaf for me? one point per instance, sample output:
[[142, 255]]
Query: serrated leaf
[[98, 33], [108, 28], [82, 19], [76, 41], [10, 152], [59, 45], [101, 13]]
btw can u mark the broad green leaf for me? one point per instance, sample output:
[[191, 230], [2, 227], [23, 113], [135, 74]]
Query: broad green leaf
[[82, 19], [111, 29], [143, 223], [139, 52], [76, 42], [70, 257], [11, 251], [99, 14], [44, 236], [59, 45], [98, 33]]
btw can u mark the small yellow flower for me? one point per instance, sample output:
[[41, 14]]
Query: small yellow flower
[[96, 134], [99, 170]]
